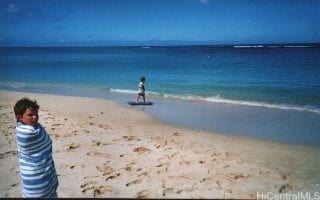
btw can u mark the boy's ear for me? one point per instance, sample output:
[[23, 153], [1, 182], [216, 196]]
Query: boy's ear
[[18, 117]]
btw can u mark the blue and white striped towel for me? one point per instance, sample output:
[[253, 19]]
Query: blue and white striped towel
[[37, 169]]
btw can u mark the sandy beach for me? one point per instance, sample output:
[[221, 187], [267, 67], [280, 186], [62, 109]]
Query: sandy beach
[[102, 149]]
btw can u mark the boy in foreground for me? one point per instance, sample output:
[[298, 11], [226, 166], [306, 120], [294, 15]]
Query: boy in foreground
[[37, 169]]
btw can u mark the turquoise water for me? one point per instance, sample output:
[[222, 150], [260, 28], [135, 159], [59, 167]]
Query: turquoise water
[[283, 79]]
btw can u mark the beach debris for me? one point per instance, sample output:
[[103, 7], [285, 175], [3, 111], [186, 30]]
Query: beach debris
[[14, 185]]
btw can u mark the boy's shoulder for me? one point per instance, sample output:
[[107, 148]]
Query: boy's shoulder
[[26, 127]]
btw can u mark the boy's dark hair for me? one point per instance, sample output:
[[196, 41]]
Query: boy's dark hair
[[142, 78], [24, 103]]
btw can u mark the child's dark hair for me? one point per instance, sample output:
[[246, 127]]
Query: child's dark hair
[[142, 78], [24, 103]]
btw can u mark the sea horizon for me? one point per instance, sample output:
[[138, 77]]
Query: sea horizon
[[182, 44]]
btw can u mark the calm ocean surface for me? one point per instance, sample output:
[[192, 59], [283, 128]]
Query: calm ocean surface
[[270, 93]]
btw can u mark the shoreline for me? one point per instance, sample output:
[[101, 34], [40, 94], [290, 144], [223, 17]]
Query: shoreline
[[104, 149], [268, 124]]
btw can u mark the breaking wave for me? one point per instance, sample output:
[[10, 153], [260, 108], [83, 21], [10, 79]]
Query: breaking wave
[[219, 99]]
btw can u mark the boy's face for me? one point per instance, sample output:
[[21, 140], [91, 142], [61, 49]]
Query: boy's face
[[29, 117]]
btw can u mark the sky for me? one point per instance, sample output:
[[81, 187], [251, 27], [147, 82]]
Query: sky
[[157, 22]]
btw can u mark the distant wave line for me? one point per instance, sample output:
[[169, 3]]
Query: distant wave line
[[248, 46], [273, 46]]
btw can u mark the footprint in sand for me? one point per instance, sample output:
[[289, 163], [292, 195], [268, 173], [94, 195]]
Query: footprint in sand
[[8, 154], [142, 194], [106, 127], [236, 176], [129, 138], [176, 134], [72, 146], [98, 143], [129, 167], [108, 171], [94, 153], [103, 189], [134, 182], [240, 161], [105, 169], [165, 189], [188, 189], [141, 149], [205, 179], [284, 188], [143, 174], [185, 162], [87, 186]]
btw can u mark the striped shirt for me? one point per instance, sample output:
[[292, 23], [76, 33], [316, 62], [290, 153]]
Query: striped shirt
[[37, 170]]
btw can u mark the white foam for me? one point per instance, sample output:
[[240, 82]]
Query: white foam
[[13, 84], [297, 46], [123, 91], [248, 46], [263, 104], [219, 99]]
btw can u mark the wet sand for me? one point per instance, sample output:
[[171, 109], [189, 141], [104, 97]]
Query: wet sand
[[102, 149]]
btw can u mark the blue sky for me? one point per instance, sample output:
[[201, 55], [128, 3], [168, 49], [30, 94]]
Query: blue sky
[[157, 22]]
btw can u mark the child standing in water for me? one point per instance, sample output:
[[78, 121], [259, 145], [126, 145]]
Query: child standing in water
[[37, 170], [141, 91]]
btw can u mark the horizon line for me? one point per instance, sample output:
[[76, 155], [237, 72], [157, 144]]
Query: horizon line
[[257, 45]]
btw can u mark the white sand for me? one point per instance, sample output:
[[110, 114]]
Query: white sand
[[102, 149]]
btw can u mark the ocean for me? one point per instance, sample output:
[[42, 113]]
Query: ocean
[[269, 92]]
